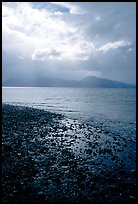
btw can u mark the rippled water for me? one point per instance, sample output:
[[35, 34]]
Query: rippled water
[[112, 109]]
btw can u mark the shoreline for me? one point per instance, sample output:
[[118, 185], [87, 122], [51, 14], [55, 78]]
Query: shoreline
[[54, 158]]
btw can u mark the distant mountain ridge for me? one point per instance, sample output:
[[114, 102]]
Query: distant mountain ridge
[[90, 82]]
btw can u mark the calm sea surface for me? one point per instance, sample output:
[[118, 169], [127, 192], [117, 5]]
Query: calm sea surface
[[111, 109]]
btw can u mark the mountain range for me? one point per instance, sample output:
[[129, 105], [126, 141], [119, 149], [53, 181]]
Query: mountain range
[[90, 82]]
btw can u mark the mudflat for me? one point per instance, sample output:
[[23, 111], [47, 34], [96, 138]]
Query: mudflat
[[47, 157]]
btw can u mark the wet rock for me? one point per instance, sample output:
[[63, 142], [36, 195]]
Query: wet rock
[[99, 131], [44, 150], [40, 197], [107, 151], [6, 148], [125, 145], [88, 151], [131, 197], [90, 144], [94, 153], [106, 132], [53, 143], [133, 171], [113, 158]]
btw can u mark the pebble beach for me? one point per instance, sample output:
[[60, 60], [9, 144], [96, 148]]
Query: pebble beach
[[47, 157]]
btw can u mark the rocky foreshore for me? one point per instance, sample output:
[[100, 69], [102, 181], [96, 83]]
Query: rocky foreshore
[[47, 157]]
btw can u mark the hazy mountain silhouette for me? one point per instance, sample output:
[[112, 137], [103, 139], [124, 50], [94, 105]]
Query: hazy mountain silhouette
[[93, 81], [90, 81]]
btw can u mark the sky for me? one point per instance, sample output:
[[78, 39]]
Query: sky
[[69, 40]]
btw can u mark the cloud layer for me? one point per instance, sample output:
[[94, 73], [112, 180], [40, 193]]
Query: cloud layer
[[69, 39]]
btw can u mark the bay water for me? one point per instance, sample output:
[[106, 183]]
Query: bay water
[[112, 109]]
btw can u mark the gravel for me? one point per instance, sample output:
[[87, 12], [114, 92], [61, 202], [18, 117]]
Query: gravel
[[47, 157]]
